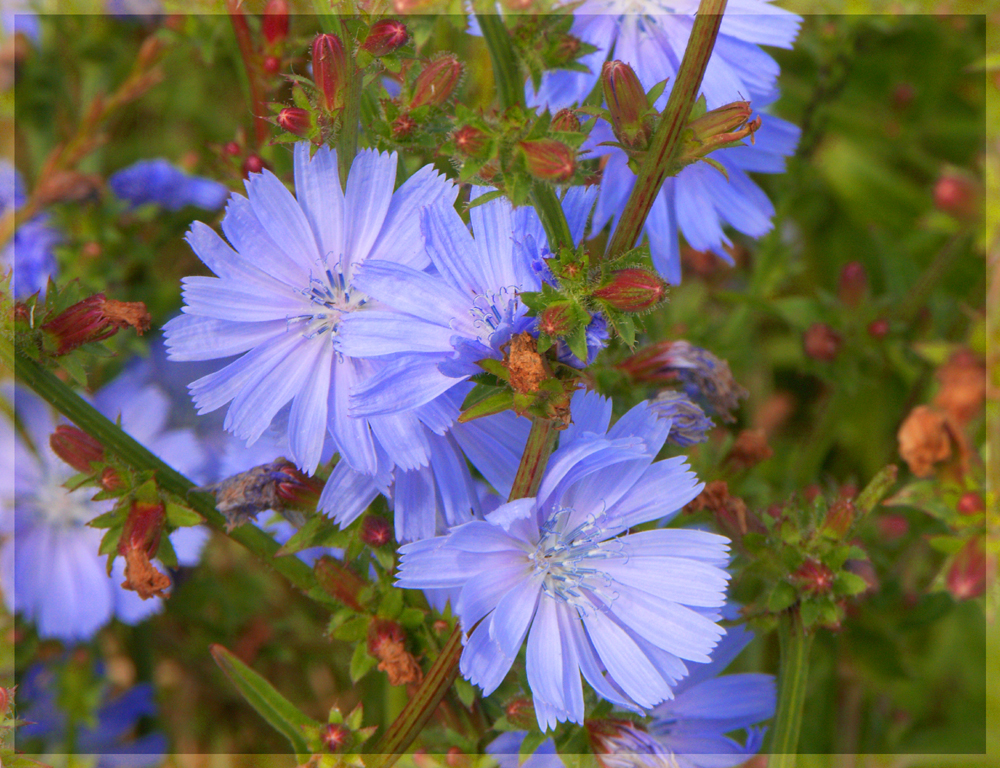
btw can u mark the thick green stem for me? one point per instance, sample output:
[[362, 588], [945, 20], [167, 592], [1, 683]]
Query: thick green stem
[[98, 426], [550, 211], [541, 440], [347, 141], [792, 677], [506, 74], [674, 119]]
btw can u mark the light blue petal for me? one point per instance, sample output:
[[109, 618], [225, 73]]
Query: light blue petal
[[625, 661], [307, 422], [662, 229], [347, 494], [512, 617], [405, 383], [452, 250], [200, 338], [317, 187], [352, 435], [282, 217], [674, 628], [482, 661], [249, 237], [484, 591], [494, 445], [661, 492], [419, 294], [376, 333], [224, 300], [413, 499], [366, 202], [552, 668]]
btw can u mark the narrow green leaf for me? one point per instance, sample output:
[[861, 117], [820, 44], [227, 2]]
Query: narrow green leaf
[[307, 536], [279, 712], [501, 401], [846, 583], [182, 517], [361, 662], [782, 596]]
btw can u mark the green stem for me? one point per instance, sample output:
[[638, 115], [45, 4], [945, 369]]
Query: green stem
[[347, 141], [795, 643], [541, 440], [666, 140], [550, 211], [98, 426], [506, 74]]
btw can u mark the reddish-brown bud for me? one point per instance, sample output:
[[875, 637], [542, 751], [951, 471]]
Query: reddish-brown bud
[[470, 141], [627, 104], [813, 576], [253, 164], [632, 290], [565, 120], [335, 737], [853, 284], [272, 64], [456, 758], [403, 126], [878, 329], [376, 531], [959, 194], [821, 342], [966, 577], [385, 37], [76, 447], [521, 712], [566, 48], [94, 319], [232, 148], [275, 21], [295, 120], [839, 517], [110, 480], [294, 488], [339, 582], [970, 503], [387, 643], [548, 159], [330, 64], [556, 319], [438, 80], [139, 541], [892, 527], [4, 701]]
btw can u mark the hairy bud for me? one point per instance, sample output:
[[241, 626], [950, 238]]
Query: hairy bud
[[548, 159], [632, 290], [275, 22], [627, 104], [385, 37], [470, 141], [436, 82], [76, 447], [295, 120], [330, 64], [565, 120], [556, 319], [94, 319], [376, 531]]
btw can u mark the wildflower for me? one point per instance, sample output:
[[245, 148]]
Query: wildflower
[[59, 580], [476, 311], [94, 319], [159, 182], [29, 253], [283, 293], [17, 18], [652, 37], [556, 570], [108, 735], [689, 424], [821, 342], [506, 749]]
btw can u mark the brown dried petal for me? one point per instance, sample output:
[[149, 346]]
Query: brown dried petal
[[924, 440]]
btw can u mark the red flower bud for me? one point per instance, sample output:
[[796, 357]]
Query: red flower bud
[[232, 148], [111, 480], [76, 447], [627, 104], [565, 120], [403, 126], [966, 577], [549, 160], [253, 164], [93, 319], [272, 64], [469, 140], [812, 576], [839, 517], [821, 342], [556, 319], [438, 80], [971, 503], [959, 195], [385, 37], [878, 329], [455, 758], [339, 582], [376, 531], [335, 737], [293, 487], [632, 290], [275, 21], [853, 284], [295, 120], [330, 64], [521, 712]]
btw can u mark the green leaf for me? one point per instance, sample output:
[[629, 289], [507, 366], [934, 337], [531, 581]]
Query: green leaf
[[279, 712], [502, 400], [485, 198], [530, 745], [109, 544], [309, 535], [577, 340], [353, 630], [107, 520], [392, 603], [411, 618], [182, 517], [782, 596], [361, 662], [846, 583], [466, 693], [165, 552]]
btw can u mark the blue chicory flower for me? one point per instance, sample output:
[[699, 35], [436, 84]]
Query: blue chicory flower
[[506, 748], [109, 738], [162, 183], [433, 344], [29, 253], [652, 35], [18, 18], [625, 610], [689, 424], [72, 596], [284, 289]]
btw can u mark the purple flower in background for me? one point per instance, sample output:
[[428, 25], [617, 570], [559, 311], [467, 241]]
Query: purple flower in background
[[161, 183], [626, 611], [436, 327], [284, 290], [652, 35], [18, 18], [506, 749], [29, 253], [54, 576], [689, 424], [110, 737]]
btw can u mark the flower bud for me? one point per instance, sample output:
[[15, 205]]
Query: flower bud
[[556, 319], [110, 480], [275, 21], [565, 120], [565, 49], [966, 577], [330, 63], [253, 164], [438, 80], [521, 712], [403, 126], [548, 159], [814, 577], [970, 503], [385, 37], [688, 423], [272, 64], [839, 517], [632, 290], [719, 128], [335, 737], [470, 141], [387, 643], [878, 329], [295, 120], [376, 531], [139, 541], [821, 342], [627, 104], [339, 582], [959, 194], [76, 447], [94, 319], [853, 284], [455, 758]]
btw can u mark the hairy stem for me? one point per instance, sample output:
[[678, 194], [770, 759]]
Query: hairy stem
[[250, 65], [795, 643], [98, 426], [666, 140]]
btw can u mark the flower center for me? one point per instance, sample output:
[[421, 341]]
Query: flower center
[[329, 297], [568, 560], [490, 312], [58, 507]]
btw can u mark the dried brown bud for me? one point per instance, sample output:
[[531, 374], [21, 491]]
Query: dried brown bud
[[139, 541], [387, 643], [963, 387], [821, 342], [548, 159], [924, 439], [526, 366], [76, 447], [276, 486], [330, 63], [632, 290], [750, 449], [94, 319], [436, 83], [385, 37]]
